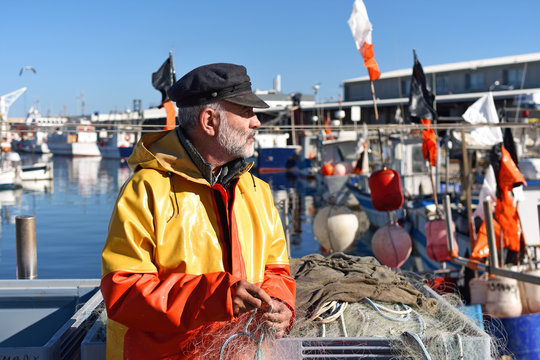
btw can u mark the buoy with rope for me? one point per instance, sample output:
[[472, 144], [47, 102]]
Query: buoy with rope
[[335, 227]]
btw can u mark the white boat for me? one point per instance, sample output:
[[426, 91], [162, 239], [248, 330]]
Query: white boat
[[339, 149], [32, 136], [10, 177], [80, 141], [117, 145], [10, 172], [418, 207], [37, 171], [272, 154], [529, 205]]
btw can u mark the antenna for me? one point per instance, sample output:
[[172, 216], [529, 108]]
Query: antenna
[[81, 97]]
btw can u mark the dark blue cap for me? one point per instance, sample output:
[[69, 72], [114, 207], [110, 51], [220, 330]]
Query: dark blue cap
[[220, 81]]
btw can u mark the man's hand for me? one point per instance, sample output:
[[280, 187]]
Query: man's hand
[[279, 319], [247, 297]]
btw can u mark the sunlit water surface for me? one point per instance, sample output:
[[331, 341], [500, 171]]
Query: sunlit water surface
[[72, 213]]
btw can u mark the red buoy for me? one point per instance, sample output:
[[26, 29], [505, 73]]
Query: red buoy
[[436, 246], [327, 169], [385, 187], [391, 245]]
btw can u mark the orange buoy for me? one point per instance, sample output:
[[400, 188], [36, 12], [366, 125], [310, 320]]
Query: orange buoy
[[437, 248], [391, 245], [385, 187], [327, 169]]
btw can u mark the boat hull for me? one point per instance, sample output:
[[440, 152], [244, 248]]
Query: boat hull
[[116, 152], [277, 159], [74, 149], [10, 178], [38, 171]]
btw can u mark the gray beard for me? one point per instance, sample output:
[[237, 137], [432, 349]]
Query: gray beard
[[234, 142]]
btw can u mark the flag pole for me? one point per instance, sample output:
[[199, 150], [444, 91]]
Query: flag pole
[[377, 120], [466, 184], [433, 187], [172, 67]]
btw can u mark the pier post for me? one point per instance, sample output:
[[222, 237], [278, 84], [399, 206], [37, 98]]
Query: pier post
[[448, 220], [488, 216], [25, 232]]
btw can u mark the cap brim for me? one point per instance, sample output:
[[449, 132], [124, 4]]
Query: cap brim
[[249, 99]]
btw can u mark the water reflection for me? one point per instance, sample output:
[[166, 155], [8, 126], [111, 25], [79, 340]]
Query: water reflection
[[297, 198], [73, 210]]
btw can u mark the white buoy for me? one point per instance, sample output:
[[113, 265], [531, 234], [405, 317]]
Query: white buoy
[[391, 245], [478, 291], [530, 294], [503, 299], [340, 170], [335, 227]]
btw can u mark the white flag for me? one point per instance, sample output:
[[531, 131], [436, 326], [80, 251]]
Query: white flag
[[360, 26], [488, 191], [481, 112]]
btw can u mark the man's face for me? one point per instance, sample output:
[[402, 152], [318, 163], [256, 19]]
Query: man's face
[[236, 132]]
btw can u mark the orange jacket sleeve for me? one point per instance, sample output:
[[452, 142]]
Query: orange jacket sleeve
[[279, 284], [175, 302]]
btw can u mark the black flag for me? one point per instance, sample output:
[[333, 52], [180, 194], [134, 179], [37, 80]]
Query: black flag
[[510, 145], [164, 78], [420, 97]]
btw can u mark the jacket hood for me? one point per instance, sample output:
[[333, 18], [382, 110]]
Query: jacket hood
[[163, 151]]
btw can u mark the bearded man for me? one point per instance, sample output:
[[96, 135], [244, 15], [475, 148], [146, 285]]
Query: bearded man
[[194, 239]]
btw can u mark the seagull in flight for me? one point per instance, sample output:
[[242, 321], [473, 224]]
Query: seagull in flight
[[27, 68]]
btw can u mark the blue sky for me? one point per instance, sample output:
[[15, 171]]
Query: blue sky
[[109, 49]]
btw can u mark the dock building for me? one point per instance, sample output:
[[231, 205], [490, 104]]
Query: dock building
[[513, 80]]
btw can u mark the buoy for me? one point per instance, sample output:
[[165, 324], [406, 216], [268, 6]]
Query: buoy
[[502, 298], [530, 294], [391, 245], [385, 188], [327, 169], [335, 227], [478, 291], [340, 170], [437, 248]]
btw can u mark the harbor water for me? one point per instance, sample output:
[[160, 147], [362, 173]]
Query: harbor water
[[72, 212]]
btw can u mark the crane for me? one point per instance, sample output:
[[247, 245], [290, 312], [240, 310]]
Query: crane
[[5, 103]]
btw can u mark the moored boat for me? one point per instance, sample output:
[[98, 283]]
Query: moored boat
[[117, 145], [79, 140], [37, 171], [272, 154]]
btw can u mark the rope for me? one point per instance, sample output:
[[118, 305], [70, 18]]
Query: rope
[[259, 355], [335, 310], [460, 347], [419, 342], [406, 311]]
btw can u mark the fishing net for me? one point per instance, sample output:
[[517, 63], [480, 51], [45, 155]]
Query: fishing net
[[346, 297], [356, 297]]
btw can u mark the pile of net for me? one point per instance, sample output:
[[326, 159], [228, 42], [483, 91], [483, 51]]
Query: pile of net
[[347, 296]]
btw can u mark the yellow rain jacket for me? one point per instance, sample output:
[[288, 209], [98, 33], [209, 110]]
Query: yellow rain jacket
[[176, 245]]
